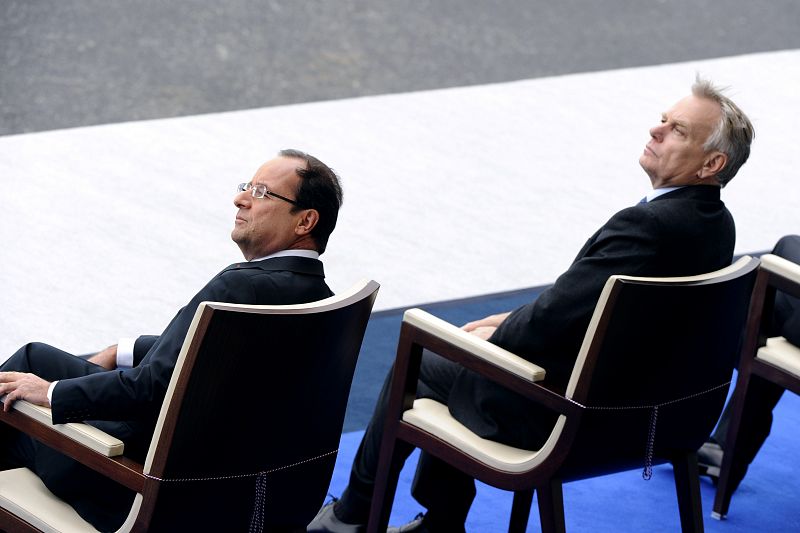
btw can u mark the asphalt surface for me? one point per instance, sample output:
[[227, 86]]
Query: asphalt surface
[[85, 62]]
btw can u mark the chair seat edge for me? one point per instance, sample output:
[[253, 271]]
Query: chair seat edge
[[781, 353], [23, 494], [434, 418]]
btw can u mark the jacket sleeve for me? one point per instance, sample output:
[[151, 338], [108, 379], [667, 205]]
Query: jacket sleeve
[[138, 392], [549, 330], [142, 345]]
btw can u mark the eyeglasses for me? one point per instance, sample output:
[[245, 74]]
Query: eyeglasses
[[260, 191]]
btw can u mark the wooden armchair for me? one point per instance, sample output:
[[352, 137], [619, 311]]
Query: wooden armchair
[[774, 359], [648, 386], [248, 432]]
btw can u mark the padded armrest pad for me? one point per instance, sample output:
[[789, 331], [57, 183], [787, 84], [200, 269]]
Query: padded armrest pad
[[473, 344], [782, 267], [89, 436], [781, 353]]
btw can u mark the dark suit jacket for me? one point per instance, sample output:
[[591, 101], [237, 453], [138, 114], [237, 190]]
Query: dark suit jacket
[[125, 403], [684, 232]]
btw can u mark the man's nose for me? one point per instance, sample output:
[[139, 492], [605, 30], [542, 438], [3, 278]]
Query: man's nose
[[657, 132], [242, 199]]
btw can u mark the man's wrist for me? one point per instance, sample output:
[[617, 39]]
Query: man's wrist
[[125, 352], [50, 392]]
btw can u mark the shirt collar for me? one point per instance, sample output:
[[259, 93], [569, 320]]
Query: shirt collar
[[311, 254], [655, 193]]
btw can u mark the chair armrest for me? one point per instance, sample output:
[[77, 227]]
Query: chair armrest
[[783, 267], [491, 361], [785, 274], [474, 345], [89, 436], [86, 444]]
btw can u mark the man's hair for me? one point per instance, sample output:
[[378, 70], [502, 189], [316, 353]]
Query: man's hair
[[732, 135], [319, 189]]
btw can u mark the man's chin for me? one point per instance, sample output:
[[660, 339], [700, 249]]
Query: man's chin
[[237, 238], [649, 173]]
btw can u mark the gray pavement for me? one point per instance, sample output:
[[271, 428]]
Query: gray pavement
[[84, 62]]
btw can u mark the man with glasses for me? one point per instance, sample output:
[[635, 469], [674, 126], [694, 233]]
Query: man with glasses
[[285, 216], [680, 228]]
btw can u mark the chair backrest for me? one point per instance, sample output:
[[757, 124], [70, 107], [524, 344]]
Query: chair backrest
[[251, 423], [665, 343]]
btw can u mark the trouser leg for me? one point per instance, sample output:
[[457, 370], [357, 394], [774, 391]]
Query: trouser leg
[[353, 505], [446, 493], [435, 380], [762, 395], [755, 425], [48, 363], [97, 499]]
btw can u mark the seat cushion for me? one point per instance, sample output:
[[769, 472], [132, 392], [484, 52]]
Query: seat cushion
[[435, 418], [23, 494], [781, 353]]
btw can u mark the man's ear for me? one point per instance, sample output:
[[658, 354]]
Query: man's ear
[[713, 164], [307, 221]]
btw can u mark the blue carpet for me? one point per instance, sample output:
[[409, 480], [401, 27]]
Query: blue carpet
[[380, 344], [765, 501]]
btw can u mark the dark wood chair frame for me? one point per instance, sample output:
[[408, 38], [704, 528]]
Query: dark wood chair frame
[[768, 282], [149, 481], [547, 477]]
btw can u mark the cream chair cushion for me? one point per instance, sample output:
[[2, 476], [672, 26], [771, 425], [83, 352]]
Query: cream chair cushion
[[781, 353], [435, 418], [24, 494]]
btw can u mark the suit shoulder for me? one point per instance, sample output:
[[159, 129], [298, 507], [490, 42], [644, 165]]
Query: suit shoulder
[[678, 207], [634, 217], [251, 276]]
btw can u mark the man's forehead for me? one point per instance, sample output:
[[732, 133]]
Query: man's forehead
[[692, 109], [278, 169], [693, 112]]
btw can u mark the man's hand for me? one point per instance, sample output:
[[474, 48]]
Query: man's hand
[[22, 386], [491, 321], [484, 332], [484, 328], [106, 358]]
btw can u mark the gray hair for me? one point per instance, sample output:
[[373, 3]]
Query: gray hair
[[732, 135]]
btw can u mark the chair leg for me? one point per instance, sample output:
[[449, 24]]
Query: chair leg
[[551, 507], [520, 511], [687, 485], [384, 490], [725, 485]]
